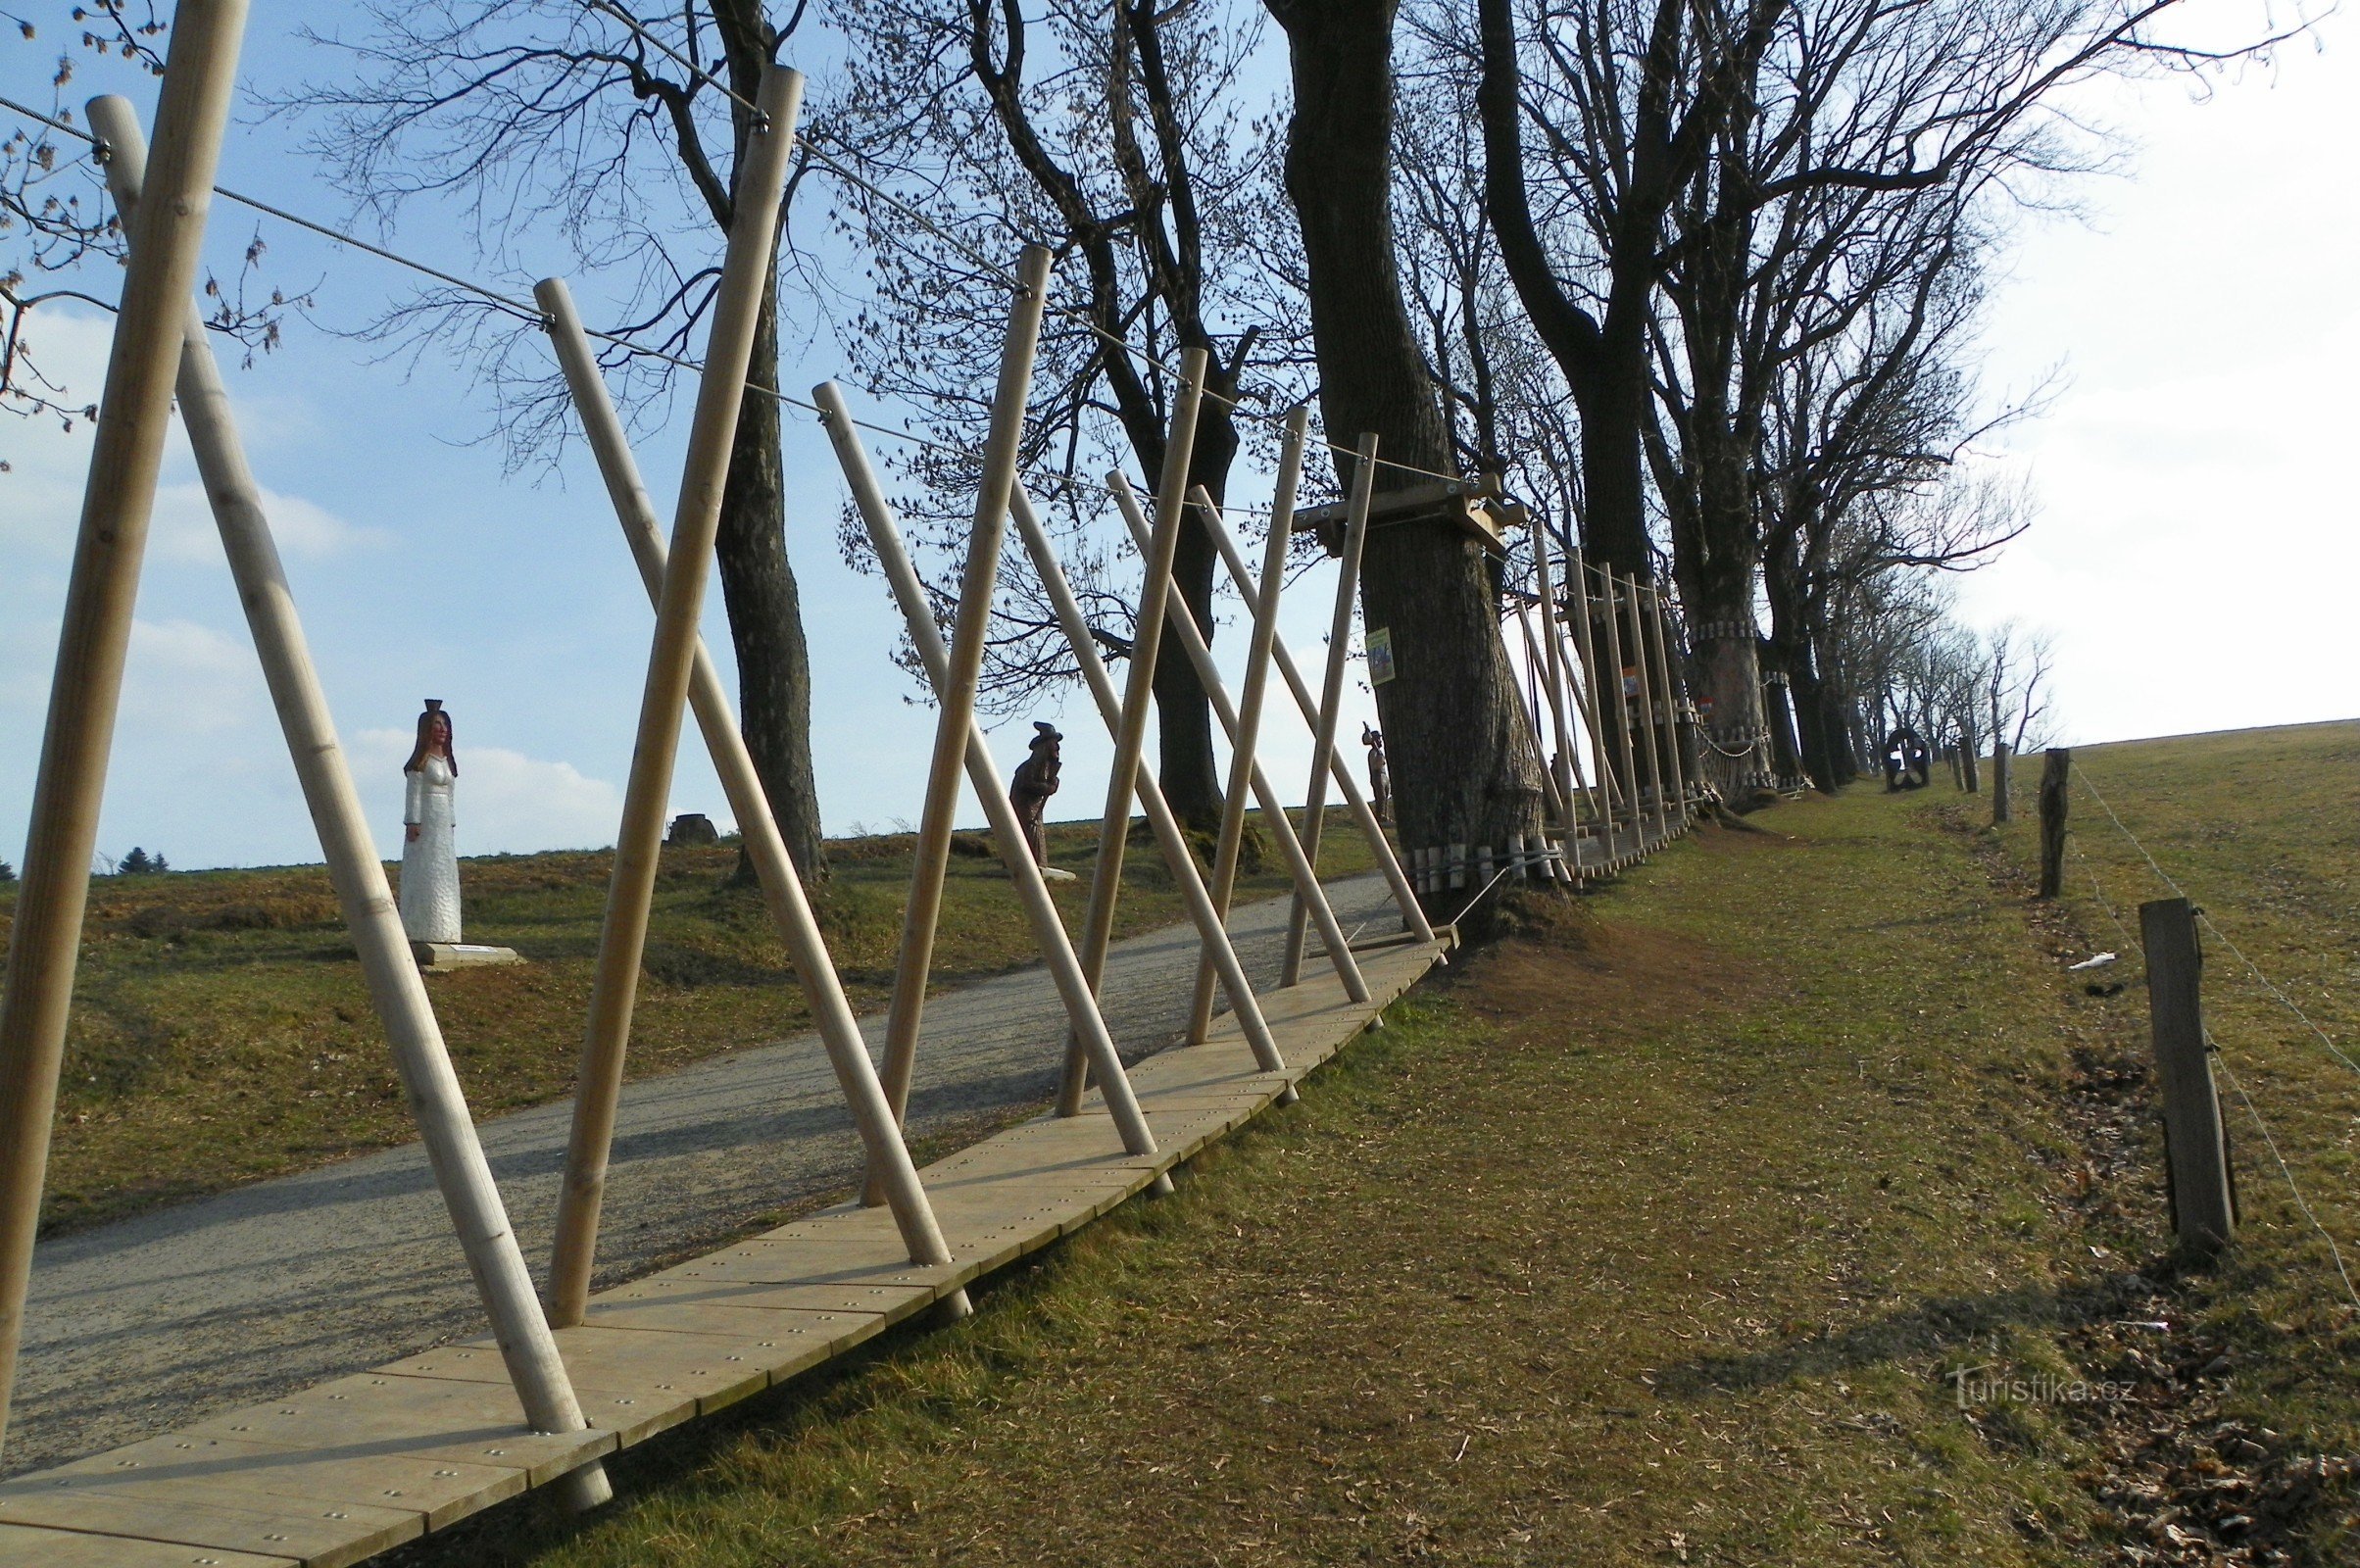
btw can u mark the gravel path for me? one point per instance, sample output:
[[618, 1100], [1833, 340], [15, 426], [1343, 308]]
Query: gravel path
[[158, 1321]]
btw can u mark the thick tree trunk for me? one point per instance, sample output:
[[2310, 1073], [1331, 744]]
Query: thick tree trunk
[[1464, 767], [1184, 723], [765, 613]]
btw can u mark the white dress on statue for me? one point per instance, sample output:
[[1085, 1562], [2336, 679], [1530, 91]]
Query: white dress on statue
[[429, 862]]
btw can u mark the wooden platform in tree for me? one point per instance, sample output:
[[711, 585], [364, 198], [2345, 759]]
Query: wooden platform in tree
[[340, 1472]]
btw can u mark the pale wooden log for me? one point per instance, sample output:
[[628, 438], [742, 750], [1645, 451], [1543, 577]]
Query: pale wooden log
[[1651, 755], [782, 887], [1331, 693], [746, 270], [1250, 698], [2196, 1158], [1032, 890], [1585, 651], [1629, 771], [95, 635], [1560, 804], [1183, 624], [2056, 781], [1552, 674], [955, 693], [1380, 848], [1667, 682], [1202, 907], [1157, 553], [437, 1102]]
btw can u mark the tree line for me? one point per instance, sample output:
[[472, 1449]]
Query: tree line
[[1704, 281]]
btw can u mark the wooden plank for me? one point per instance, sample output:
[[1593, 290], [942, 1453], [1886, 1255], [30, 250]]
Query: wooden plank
[[24, 1547], [249, 1475], [323, 1536], [417, 1417], [638, 1381]]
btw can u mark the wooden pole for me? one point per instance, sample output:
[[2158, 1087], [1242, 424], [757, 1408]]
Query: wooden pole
[[1202, 907], [167, 235], [956, 691], [1139, 696], [1380, 848], [1307, 881], [983, 773], [2056, 789], [1999, 782], [2204, 1209], [1331, 693], [783, 895], [746, 270], [437, 1102], [1553, 671], [1596, 685], [1250, 698], [1668, 684], [1651, 756]]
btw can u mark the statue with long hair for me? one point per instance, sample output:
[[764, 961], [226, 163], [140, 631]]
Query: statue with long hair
[[429, 832]]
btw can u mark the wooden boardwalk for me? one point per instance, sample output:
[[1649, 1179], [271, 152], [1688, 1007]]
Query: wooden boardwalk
[[337, 1473]]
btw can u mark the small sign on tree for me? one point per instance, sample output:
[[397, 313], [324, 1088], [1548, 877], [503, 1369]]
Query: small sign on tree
[[1380, 655]]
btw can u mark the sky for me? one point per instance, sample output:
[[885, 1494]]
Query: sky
[[2195, 538]]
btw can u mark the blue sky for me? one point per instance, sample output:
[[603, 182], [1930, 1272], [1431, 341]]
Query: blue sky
[[2189, 477]]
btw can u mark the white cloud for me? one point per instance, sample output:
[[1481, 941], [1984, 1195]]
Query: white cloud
[[188, 679], [184, 530], [508, 802]]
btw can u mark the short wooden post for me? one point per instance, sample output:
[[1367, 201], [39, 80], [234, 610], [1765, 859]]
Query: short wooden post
[[1264, 635], [1404, 896], [672, 658], [2056, 789], [1182, 623], [783, 895], [95, 638], [438, 1105], [1158, 552], [2000, 780], [1073, 987], [1331, 693], [2196, 1160]]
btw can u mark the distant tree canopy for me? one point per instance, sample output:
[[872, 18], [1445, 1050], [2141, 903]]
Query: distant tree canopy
[[140, 863]]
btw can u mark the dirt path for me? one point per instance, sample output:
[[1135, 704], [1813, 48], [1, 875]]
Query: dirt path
[[154, 1321]]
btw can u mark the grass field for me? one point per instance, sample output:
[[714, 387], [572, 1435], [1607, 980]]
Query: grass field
[[1789, 1203], [222, 1032]]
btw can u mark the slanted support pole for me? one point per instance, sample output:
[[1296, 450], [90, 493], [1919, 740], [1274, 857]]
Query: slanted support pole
[[1593, 688], [1202, 907], [1380, 848], [1667, 685], [1619, 683], [2195, 1154], [1249, 701], [118, 501], [783, 895], [672, 659], [2056, 789], [1157, 551], [1331, 693], [1183, 624], [983, 773]]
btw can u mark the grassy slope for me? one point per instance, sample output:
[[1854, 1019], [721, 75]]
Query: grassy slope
[[1649, 1236], [222, 1032]]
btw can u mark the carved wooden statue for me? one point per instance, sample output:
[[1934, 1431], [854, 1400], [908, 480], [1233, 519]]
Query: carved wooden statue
[[1034, 782], [1380, 776]]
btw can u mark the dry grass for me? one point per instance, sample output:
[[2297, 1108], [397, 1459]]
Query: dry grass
[[1657, 1234], [222, 1032]]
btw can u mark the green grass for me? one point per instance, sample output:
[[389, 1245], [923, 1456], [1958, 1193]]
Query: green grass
[[1655, 1233], [222, 1032]]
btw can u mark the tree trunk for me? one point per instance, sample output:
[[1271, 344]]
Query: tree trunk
[[1184, 723], [765, 613], [1465, 771]]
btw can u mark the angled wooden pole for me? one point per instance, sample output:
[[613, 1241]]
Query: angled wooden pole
[[1559, 804], [1169, 836], [1617, 683], [1249, 699], [1553, 675], [783, 895], [746, 270], [1139, 696], [1183, 624], [1651, 756], [955, 692], [135, 411], [1380, 848], [1593, 687], [1667, 687], [1331, 693], [1032, 890]]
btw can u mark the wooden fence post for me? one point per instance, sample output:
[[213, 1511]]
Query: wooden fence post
[[2057, 788], [2000, 774], [95, 637], [2195, 1154]]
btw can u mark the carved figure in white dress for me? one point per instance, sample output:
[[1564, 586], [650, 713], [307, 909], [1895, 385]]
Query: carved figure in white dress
[[429, 843]]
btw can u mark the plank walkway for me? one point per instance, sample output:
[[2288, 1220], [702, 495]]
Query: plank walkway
[[339, 1472]]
